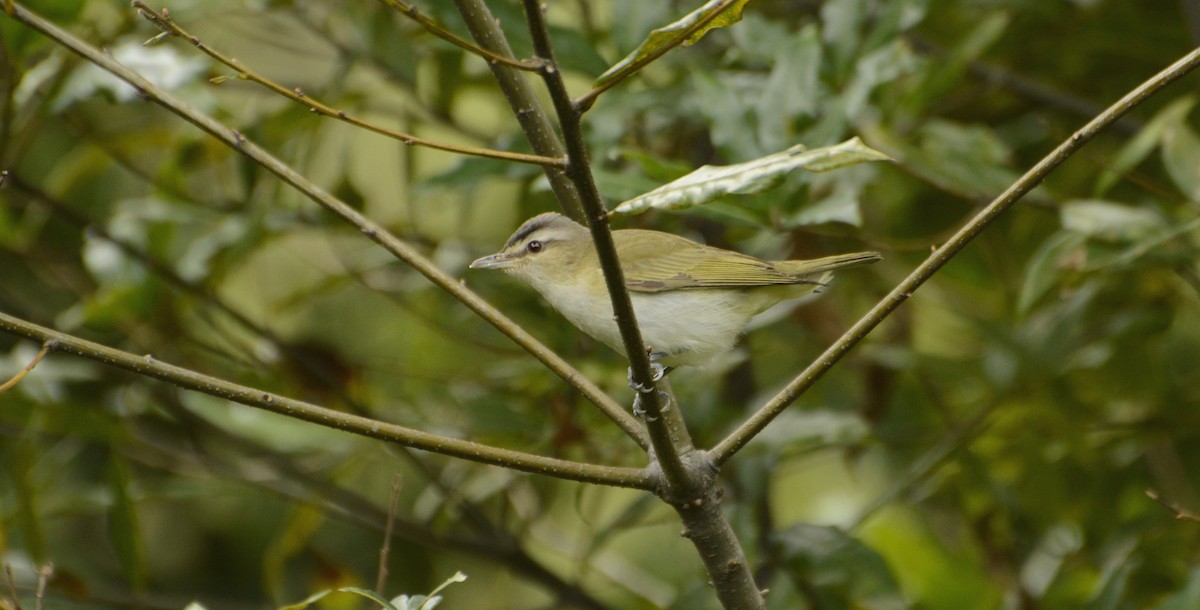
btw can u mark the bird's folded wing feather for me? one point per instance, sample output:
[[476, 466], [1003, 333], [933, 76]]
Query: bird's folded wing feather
[[658, 266]]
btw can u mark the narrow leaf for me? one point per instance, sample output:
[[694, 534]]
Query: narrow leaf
[[456, 578], [669, 36], [123, 531], [712, 182], [1181, 156], [306, 602], [1108, 220], [1046, 268], [1141, 145], [369, 594]]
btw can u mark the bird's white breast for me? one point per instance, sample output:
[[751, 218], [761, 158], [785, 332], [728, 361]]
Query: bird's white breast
[[688, 326]]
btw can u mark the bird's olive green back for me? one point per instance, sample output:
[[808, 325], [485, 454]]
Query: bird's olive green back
[[655, 262]]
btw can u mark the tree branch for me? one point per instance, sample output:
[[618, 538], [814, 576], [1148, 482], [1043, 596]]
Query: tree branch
[[164, 22], [436, 29], [755, 424], [363, 426], [688, 478], [585, 101], [288, 480], [485, 28], [373, 231], [579, 171]]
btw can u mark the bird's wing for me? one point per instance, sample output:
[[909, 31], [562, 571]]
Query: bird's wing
[[662, 264]]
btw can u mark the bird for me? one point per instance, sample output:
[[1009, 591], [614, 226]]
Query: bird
[[692, 301]]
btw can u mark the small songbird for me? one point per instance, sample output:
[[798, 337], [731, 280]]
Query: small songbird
[[692, 301]]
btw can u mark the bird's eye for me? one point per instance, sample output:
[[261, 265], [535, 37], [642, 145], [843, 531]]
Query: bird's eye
[[534, 246]]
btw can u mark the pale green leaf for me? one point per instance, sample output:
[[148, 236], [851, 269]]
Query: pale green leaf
[[1108, 220], [1186, 597], [306, 602], [727, 13], [1046, 267], [1142, 144], [1181, 156], [456, 578], [712, 182], [123, 530], [371, 595]]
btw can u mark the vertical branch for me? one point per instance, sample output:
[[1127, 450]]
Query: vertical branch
[[485, 28], [688, 478], [580, 173]]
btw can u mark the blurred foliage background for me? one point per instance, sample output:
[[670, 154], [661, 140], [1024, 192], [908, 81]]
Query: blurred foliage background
[[990, 446]]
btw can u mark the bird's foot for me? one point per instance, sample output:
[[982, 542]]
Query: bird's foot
[[657, 372], [640, 412]]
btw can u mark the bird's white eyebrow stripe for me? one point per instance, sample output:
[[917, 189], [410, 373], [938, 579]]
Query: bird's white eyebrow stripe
[[525, 231]]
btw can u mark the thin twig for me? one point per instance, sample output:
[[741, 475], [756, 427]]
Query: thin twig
[[386, 548], [958, 438], [44, 574], [1181, 513], [164, 22], [436, 29], [373, 231], [585, 101], [755, 424], [46, 347], [12, 586]]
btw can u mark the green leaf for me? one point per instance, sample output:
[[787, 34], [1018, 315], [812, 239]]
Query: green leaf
[[456, 578], [1181, 156], [947, 73], [711, 182], [1186, 598], [726, 14], [969, 160], [843, 572], [1108, 220], [123, 525], [308, 601], [1045, 268], [1142, 144], [1114, 579], [371, 595]]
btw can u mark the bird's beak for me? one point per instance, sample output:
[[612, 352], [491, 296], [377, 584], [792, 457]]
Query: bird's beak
[[498, 260]]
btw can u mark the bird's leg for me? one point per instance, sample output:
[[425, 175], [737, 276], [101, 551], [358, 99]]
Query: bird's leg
[[637, 404], [657, 372]]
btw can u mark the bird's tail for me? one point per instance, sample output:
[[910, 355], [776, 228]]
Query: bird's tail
[[826, 264]]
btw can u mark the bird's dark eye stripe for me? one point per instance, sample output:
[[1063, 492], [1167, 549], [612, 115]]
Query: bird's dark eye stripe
[[534, 246]]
